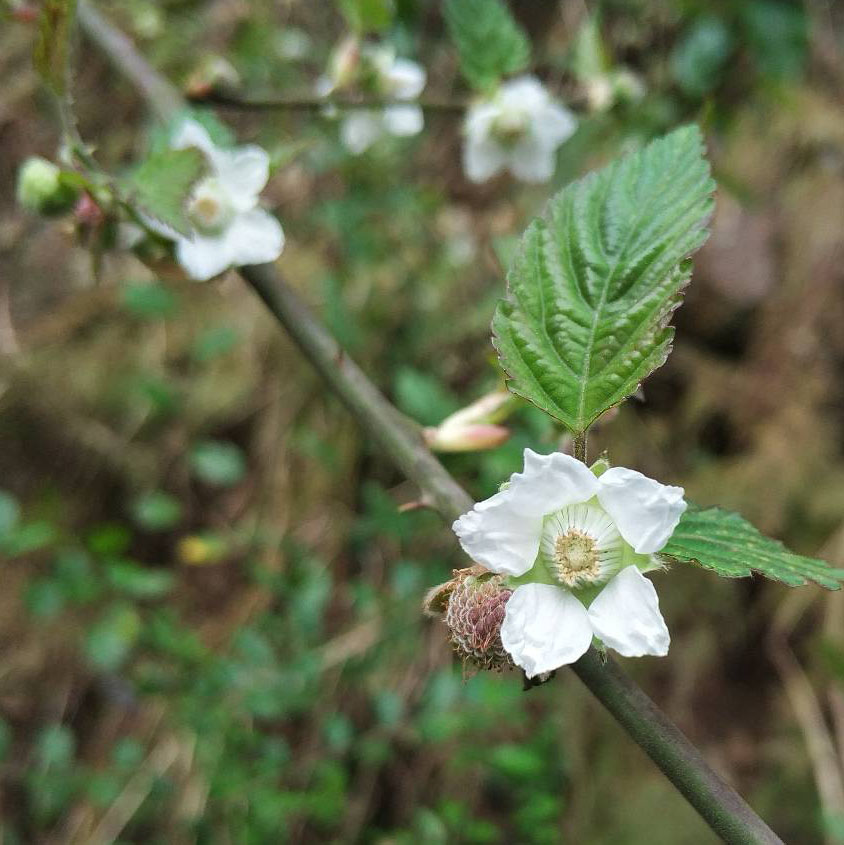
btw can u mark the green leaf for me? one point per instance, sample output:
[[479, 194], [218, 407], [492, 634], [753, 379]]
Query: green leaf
[[157, 511], [365, 16], [112, 637], [149, 300], [52, 44], [488, 40], [217, 462], [597, 278], [10, 513], [729, 545], [139, 582], [159, 187], [699, 58]]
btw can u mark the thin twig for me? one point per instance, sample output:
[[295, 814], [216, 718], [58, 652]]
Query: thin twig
[[720, 806], [221, 99]]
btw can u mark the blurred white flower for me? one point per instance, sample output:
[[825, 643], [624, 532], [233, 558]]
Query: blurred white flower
[[378, 70], [230, 229], [519, 128], [576, 545]]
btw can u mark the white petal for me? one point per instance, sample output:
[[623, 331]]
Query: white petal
[[550, 482], [554, 124], [243, 173], [532, 160], [645, 511], [203, 258], [192, 134], [254, 237], [503, 532], [499, 536], [361, 130], [626, 617], [482, 158], [525, 92], [403, 120], [480, 119], [544, 628], [405, 79]]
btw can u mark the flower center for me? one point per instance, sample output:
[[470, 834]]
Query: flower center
[[510, 126], [575, 557], [209, 209], [580, 546]]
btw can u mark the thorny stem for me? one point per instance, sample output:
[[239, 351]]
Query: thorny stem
[[718, 803], [317, 104]]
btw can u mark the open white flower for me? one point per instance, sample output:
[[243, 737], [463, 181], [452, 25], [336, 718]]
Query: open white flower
[[384, 74], [576, 545], [229, 228], [518, 128]]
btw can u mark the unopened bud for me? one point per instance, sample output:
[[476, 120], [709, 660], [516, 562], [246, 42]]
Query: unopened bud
[[467, 438], [345, 62], [41, 188], [214, 73], [474, 615], [474, 427]]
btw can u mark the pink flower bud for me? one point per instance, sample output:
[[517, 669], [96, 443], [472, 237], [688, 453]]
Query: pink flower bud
[[466, 438]]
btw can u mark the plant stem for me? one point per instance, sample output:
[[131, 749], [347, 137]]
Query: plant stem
[[579, 446], [317, 104], [719, 805]]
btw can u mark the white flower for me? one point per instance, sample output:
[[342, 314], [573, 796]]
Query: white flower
[[518, 128], [230, 229], [576, 545], [388, 76]]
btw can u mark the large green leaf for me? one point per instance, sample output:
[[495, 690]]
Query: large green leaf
[[160, 186], [596, 279], [729, 545], [488, 40]]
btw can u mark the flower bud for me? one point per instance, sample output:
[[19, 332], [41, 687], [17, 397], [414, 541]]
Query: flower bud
[[474, 427], [467, 438], [41, 188], [345, 62], [474, 615]]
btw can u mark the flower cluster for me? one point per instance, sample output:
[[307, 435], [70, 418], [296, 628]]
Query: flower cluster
[[518, 128], [573, 546], [378, 71]]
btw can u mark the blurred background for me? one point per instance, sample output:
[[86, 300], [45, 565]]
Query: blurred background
[[210, 625]]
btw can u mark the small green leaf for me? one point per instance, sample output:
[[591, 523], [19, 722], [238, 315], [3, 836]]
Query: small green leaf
[[699, 58], [138, 581], [214, 342], [55, 746], [729, 545], [159, 187], [44, 598], [597, 278], [217, 462], [157, 511], [10, 513], [113, 636], [488, 40], [28, 537], [149, 300], [52, 44], [366, 16]]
